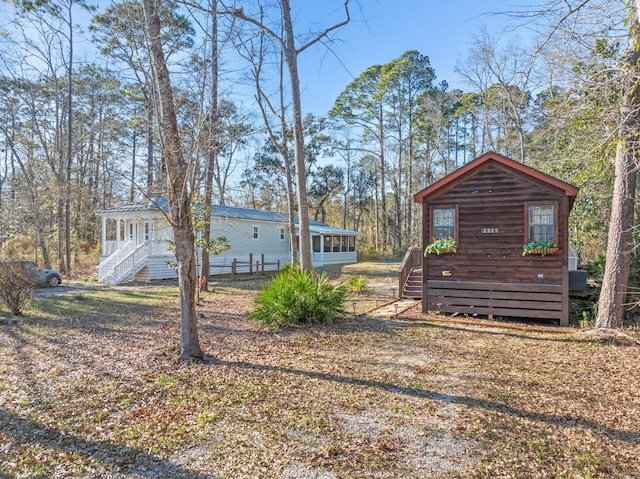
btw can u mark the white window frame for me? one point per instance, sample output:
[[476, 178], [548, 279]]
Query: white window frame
[[454, 226], [554, 226]]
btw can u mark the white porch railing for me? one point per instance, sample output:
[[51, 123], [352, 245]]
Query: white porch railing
[[110, 247], [159, 247], [124, 263]]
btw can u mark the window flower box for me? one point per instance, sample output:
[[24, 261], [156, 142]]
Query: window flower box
[[441, 246], [539, 248]]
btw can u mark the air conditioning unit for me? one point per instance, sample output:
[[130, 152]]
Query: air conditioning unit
[[577, 280]]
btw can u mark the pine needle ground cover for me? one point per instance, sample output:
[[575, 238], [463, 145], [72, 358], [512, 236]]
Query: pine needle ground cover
[[90, 387]]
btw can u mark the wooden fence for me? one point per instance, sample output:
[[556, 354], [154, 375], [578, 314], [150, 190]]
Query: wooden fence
[[253, 265]]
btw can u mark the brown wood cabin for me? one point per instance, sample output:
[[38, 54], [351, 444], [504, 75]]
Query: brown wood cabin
[[492, 206]]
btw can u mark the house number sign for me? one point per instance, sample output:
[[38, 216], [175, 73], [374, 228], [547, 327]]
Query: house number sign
[[488, 231]]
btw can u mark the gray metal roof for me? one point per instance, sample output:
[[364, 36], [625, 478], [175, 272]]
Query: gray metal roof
[[233, 212], [145, 205], [227, 212], [324, 229]]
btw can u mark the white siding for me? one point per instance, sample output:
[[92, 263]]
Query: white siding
[[346, 257], [239, 234], [157, 268]]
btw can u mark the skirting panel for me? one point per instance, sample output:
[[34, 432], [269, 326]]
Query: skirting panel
[[537, 301]]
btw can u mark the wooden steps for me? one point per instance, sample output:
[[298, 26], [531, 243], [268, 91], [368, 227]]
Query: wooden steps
[[413, 286]]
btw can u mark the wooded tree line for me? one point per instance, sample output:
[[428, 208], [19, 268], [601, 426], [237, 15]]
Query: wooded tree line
[[79, 135]]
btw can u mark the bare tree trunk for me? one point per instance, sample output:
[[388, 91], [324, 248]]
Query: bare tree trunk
[[291, 207], [60, 221], [288, 48], [377, 241], [409, 204], [132, 190], [384, 241], [291, 57], [179, 205], [618, 263], [150, 143], [213, 150], [67, 211]]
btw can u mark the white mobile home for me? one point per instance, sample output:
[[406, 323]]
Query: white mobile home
[[136, 240]]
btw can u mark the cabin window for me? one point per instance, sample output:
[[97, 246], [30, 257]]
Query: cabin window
[[255, 232], [352, 243], [281, 234], [315, 240], [541, 222], [344, 244], [444, 223], [328, 240]]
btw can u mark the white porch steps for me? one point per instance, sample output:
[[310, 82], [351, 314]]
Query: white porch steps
[[124, 263]]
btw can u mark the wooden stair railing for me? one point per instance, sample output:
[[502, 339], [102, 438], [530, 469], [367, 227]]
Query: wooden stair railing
[[412, 260]]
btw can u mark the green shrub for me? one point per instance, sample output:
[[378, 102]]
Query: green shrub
[[357, 284], [595, 267], [294, 296]]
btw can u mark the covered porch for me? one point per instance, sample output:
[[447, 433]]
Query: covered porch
[[333, 245], [121, 229], [133, 235]]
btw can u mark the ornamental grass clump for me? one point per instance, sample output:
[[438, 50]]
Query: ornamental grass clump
[[296, 297], [357, 284]]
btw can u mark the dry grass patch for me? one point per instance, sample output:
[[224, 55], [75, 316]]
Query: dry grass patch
[[90, 387]]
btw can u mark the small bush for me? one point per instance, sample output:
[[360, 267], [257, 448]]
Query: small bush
[[595, 267], [370, 253], [294, 296], [17, 282], [357, 284]]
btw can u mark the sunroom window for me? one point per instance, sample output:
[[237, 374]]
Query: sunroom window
[[328, 241]]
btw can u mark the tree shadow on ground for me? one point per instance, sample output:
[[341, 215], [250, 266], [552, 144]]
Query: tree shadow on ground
[[124, 460], [506, 331], [631, 437]]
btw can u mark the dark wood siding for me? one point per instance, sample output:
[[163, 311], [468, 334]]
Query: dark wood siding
[[491, 220], [500, 299]]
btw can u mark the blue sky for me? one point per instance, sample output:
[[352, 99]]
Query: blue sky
[[382, 30]]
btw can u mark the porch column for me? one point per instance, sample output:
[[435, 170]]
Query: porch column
[[134, 230], [103, 233], [118, 230]]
